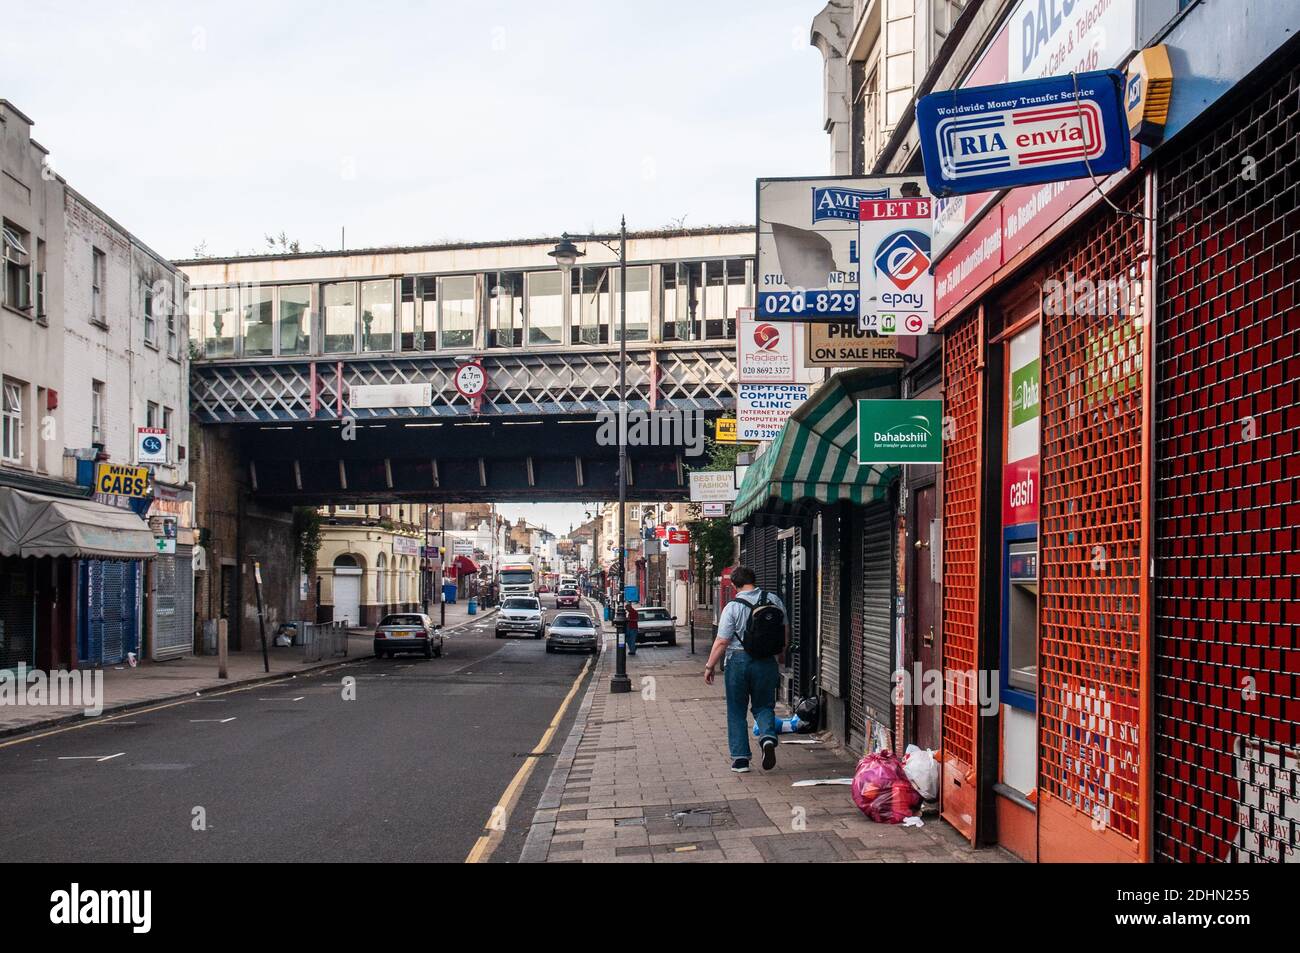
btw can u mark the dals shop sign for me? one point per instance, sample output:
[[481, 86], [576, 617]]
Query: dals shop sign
[[1026, 133]]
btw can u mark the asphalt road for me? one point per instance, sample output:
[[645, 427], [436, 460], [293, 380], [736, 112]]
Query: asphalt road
[[291, 771]]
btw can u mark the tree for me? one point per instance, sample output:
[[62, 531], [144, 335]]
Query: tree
[[282, 245], [712, 543]]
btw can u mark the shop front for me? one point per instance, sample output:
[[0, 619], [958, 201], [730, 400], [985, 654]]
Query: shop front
[[819, 530]]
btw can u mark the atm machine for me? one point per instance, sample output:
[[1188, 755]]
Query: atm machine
[[1018, 679]]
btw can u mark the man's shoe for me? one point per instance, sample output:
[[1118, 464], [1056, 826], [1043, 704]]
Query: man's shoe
[[769, 754], [740, 766]]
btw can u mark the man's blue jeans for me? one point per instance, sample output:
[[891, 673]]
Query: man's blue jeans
[[750, 683], [629, 639]]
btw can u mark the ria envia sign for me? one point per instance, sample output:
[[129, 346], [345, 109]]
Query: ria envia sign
[[1040, 130]]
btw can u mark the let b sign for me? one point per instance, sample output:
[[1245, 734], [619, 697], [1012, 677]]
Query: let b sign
[[897, 285]]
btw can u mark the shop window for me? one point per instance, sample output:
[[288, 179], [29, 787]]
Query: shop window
[[680, 300], [592, 286], [456, 307]]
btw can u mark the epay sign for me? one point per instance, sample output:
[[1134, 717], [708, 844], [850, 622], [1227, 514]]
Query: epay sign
[[897, 286], [1026, 133], [900, 431]]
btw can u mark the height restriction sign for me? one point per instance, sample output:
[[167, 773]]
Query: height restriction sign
[[897, 284]]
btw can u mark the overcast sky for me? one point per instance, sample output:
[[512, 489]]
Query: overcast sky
[[215, 124], [415, 122]]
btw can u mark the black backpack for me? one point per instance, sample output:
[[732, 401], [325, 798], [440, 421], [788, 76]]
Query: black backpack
[[764, 633]]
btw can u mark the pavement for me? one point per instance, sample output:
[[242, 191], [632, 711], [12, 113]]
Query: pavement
[[392, 760], [644, 777], [151, 682]]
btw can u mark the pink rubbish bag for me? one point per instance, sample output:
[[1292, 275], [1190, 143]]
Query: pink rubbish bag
[[882, 791]]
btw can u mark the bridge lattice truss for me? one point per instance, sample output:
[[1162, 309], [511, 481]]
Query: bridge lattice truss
[[283, 390]]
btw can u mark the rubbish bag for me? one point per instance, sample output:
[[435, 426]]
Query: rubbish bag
[[922, 769], [882, 791], [806, 710]]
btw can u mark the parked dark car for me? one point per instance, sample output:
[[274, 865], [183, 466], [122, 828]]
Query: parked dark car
[[408, 632], [654, 624]]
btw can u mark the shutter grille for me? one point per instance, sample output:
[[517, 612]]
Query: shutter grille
[[877, 612], [17, 615], [830, 603], [173, 604], [1227, 602]]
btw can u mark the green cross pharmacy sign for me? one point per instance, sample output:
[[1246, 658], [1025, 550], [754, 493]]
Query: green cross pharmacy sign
[[900, 431]]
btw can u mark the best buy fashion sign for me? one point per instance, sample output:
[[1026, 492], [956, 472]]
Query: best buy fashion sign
[[900, 431]]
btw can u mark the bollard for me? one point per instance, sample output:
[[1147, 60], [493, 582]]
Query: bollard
[[222, 656]]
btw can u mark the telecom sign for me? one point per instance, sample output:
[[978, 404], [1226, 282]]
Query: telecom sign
[[1026, 133], [900, 431], [897, 287], [808, 261]]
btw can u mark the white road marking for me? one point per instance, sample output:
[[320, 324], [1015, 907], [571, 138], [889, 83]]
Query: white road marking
[[90, 757], [220, 721]]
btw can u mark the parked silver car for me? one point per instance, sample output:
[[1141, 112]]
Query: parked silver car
[[654, 624], [520, 615], [408, 632], [574, 631]]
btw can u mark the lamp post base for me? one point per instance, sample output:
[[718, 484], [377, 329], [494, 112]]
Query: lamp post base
[[620, 685]]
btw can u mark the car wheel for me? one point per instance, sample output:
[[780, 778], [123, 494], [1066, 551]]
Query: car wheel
[[499, 633], [550, 650], [379, 653], [428, 651], [538, 635], [672, 640], [437, 653]]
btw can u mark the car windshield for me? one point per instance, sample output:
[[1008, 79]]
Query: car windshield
[[521, 604], [652, 615], [517, 577], [568, 592], [572, 622], [402, 620]]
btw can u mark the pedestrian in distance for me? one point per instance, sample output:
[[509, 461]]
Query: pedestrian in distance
[[753, 633], [630, 635]]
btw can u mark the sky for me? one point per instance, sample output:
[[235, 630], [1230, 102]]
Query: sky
[[212, 125], [205, 127]]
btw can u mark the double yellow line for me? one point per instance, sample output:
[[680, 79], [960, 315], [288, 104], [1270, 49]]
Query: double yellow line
[[495, 828]]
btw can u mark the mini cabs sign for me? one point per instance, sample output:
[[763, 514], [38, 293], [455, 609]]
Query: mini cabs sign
[[115, 479]]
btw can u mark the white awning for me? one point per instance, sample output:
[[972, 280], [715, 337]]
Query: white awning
[[35, 525]]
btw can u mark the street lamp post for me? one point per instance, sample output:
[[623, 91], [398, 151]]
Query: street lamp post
[[566, 255]]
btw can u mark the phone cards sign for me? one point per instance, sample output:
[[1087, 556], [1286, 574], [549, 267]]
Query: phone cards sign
[[1025, 133], [808, 258], [763, 409], [897, 285]]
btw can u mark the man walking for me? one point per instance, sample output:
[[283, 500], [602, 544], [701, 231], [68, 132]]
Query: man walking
[[629, 634], [752, 634]]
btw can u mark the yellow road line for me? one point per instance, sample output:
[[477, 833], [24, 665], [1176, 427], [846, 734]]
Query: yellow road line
[[500, 815]]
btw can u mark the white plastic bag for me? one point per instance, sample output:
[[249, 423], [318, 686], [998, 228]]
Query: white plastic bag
[[922, 770]]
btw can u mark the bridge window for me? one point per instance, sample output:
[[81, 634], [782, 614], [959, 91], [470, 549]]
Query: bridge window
[[258, 309], [456, 297], [726, 288], [506, 308], [295, 319], [546, 308], [419, 313], [340, 317], [681, 300], [377, 315], [638, 304], [219, 320], [594, 308]]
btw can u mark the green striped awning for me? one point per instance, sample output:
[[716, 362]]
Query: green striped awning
[[815, 455]]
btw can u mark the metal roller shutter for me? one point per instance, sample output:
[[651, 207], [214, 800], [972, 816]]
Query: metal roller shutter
[[173, 599], [109, 603], [829, 681], [17, 614], [1227, 602], [961, 496], [857, 702], [1090, 578], [877, 612]]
